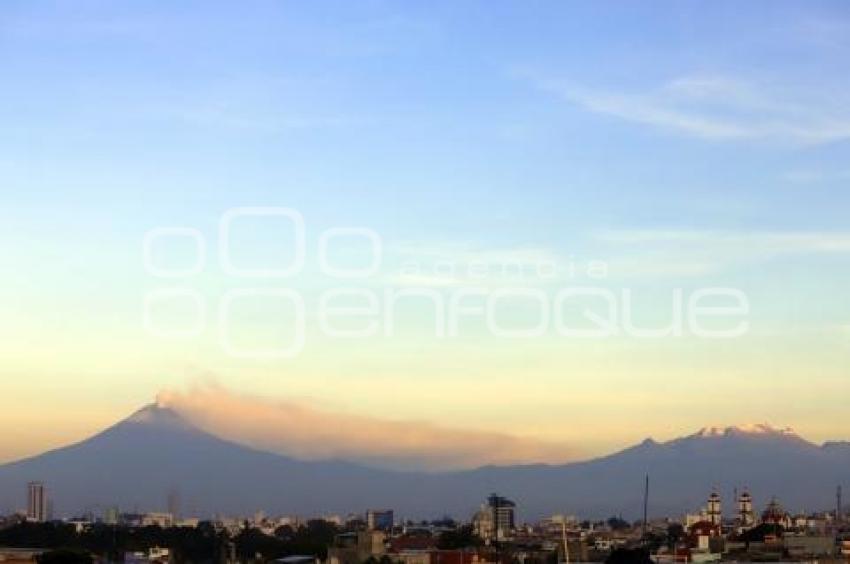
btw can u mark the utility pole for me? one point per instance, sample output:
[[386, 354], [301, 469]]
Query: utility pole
[[564, 538], [645, 505]]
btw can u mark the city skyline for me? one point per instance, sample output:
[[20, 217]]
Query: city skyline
[[493, 532]]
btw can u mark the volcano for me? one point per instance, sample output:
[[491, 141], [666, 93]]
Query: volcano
[[136, 463]]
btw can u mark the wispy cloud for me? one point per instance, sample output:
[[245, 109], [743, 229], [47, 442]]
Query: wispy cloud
[[715, 108], [652, 252], [763, 242], [305, 431], [629, 253]]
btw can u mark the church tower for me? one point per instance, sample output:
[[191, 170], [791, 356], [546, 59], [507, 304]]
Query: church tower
[[715, 515], [746, 516]]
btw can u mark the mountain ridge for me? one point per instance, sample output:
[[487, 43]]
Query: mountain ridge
[[137, 461]]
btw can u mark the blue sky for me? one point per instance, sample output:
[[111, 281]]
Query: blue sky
[[684, 143]]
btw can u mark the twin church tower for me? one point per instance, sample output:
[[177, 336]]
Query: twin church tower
[[745, 516]]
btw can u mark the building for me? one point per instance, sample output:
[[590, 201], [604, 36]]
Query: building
[[503, 513], [496, 519], [844, 549], [809, 547], [715, 514], [335, 519], [482, 523], [20, 555], [556, 524], [379, 519], [354, 548], [774, 514], [111, 515], [36, 502], [705, 536], [80, 524], [745, 518], [157, 519], [693, 518]]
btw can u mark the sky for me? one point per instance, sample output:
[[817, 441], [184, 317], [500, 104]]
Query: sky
[[160, 162]]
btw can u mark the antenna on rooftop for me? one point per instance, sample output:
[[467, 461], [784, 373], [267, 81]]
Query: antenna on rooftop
[[645, 505], [564, 538]]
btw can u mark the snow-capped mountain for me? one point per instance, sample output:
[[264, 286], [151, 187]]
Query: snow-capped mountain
[[762, 429], [135, 463]]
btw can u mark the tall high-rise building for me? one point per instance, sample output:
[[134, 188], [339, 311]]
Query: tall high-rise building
[[496, 519], [36, 502], [110, 515], [715, 515], [379, 519], [502, 510]]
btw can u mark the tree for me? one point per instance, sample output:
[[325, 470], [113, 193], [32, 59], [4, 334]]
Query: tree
[[461, 537], [285, 532], [757, 534], [616, 523], [252, 542], [675, 533]]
